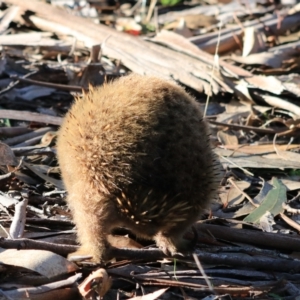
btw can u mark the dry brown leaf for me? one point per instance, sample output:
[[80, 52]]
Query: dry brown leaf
[[266, 83], [237, 107], [248, 207], [43, 262], [123, 242], [227, 138], [150, 296], [53, 290], [182, 29], [7, 17], [291, 82], [7, 156], [234, 196], [260, 149], [285, 155], [234, 116], [48, 138], [193, 21], [292, 184], [235, 160], [97, 283], [270, 59], [41, 170], [253, 41], [281, 103], [199, 20], [181, 44]]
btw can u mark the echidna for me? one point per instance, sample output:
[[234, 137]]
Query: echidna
[[136, 153]]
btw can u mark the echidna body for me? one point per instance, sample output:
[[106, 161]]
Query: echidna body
[[135, 153]]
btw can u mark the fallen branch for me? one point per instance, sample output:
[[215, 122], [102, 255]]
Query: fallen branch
[[136, 54]]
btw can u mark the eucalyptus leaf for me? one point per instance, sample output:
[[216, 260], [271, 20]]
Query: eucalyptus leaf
[[272, 202], [170, 2]]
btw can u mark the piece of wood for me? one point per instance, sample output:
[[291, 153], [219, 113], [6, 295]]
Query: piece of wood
[[227, 38], [251, 237], [29, 116]]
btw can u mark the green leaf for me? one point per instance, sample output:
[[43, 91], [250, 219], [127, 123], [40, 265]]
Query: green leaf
[[272, 202], [170, 2], [4, 122]]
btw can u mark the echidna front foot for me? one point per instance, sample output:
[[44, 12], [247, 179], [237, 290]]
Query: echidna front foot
[[171, 245]]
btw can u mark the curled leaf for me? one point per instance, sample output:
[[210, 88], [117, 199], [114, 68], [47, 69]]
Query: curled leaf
[[97, 282]]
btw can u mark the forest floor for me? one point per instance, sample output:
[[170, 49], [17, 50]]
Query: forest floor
[[241, 61]]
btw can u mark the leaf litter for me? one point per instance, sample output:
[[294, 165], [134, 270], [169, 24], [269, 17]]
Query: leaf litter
[[244, 55]]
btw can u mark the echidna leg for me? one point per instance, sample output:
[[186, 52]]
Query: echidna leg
[[172, 242], [91, 227]]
